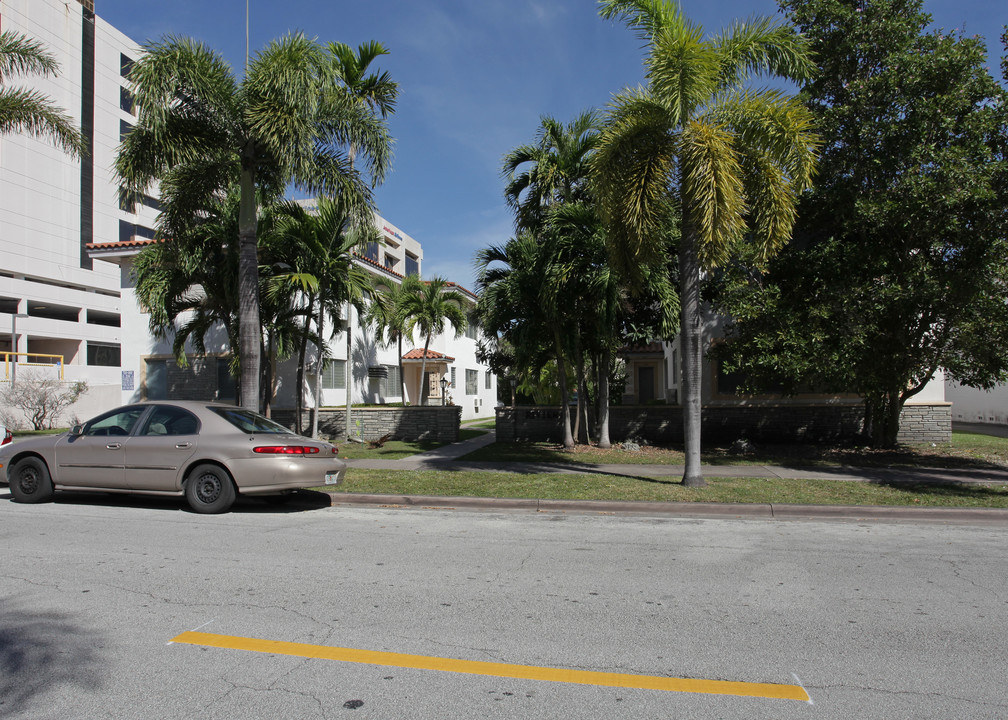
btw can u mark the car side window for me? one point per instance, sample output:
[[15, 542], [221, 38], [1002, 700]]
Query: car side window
[[170, 420], [116, 423]]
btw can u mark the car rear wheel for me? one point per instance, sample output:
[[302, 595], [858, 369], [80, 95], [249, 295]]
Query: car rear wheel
[[30, 481], [210, 490]]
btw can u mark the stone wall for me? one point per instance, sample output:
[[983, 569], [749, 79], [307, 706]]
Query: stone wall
[[370, 423], [767, 422], [925, 424]]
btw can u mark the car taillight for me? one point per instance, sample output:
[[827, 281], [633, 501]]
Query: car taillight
[[8, 436], [286, 450]]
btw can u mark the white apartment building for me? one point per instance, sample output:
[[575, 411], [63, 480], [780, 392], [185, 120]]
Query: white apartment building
[[66, 247], [64, 305]]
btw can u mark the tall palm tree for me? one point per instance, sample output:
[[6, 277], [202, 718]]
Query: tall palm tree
[[427, 306], [695, 141], [288, 121], [28, 111], [373, 93], [329, 236], [542, 177]]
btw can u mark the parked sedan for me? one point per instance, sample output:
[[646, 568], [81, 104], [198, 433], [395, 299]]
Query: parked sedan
[[207, 452]]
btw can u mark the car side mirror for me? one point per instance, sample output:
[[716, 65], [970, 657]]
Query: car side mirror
[[76, 430]]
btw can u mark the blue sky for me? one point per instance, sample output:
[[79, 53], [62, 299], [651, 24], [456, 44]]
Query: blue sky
[[475, 76]]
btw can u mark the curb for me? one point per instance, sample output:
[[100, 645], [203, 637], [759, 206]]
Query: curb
[[758, 511]]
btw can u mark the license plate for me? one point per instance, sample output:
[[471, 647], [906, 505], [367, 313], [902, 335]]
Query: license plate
[[332, 478]]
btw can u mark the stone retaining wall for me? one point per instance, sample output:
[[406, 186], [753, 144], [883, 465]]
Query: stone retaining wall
[[370, 423], [770, 422]]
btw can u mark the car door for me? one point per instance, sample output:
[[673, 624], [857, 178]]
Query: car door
[[159, 450], [95, 458]]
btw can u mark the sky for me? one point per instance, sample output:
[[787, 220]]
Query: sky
[[475, 78]]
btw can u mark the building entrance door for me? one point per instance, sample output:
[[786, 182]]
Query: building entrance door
[[645, 385]]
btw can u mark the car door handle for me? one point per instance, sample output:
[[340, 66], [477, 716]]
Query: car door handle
[[113, 446], [182, 446]]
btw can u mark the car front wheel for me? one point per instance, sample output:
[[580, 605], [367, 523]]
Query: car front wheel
[[209, 489], [30, 481]]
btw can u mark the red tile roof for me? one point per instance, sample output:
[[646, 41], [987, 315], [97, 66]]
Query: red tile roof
[[417, 354], [121, 245], [369, 261]]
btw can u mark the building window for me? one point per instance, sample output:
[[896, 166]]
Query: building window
[[125, 129], [472, 381], [392, 385], [103, 355], [488, 381], [334, 375], [453, 383], [226, 382], [470, 331], [126, 101], [412, 265], [156, 382], [125, 65], [144, 232], [371, 251]]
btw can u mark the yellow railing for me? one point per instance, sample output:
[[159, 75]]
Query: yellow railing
[[31, 360]]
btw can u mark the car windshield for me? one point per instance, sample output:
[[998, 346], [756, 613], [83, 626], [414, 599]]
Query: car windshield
[[250, 422]]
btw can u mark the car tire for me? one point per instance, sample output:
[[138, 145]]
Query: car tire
[[30, 481], [209, 489]]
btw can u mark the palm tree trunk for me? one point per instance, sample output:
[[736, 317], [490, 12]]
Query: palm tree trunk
[[603, 385], [249, 329], [321, 368], [302, 351], [402, 379], [267, 376], [423, 369], [349, 367], [582, 399], [692, 353], [568, 438]]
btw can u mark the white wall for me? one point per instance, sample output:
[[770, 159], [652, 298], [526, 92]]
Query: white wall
[[978, 406]]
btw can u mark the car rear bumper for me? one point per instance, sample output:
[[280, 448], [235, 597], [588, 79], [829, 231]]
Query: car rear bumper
[[266, 476]]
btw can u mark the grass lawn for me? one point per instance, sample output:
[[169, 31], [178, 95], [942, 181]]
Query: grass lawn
[[967, 450], [628, 487]]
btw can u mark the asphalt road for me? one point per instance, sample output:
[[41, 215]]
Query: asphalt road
[[878, 620]]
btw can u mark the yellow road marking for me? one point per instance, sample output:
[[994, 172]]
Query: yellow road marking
[[476, 667]]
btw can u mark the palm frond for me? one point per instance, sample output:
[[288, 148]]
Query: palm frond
[[713, 194], [762, 46], [31, 113]]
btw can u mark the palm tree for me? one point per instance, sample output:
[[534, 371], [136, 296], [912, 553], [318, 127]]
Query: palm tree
[[29, 111], [385, 313], [696, 142], [553, 170], [541, 177], [288, 121], [328, 237], [193, 277], [375, 94], [376, 91], [427, 306]]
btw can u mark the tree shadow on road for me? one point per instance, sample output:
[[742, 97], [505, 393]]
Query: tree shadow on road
[[42, 652]]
